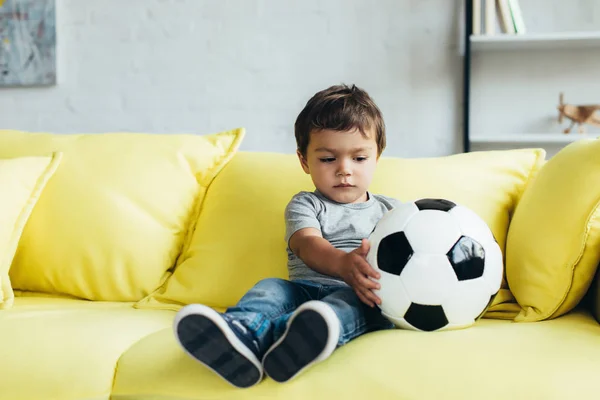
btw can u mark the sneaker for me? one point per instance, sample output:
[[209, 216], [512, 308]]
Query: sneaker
[[221, 343], [311, 336]]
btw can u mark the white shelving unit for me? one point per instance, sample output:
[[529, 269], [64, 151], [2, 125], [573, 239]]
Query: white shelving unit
[[531, 42], [531, 138], [541, 41]]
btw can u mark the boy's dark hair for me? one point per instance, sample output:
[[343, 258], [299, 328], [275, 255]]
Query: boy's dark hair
[[339, 108]]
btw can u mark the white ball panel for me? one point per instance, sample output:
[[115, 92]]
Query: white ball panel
[[374, 240], [394, 300], [455, 327], [429, 278], [401, 323], [472, 225], [467, 302], [493, 270], [372, 254], [392, 221], [432, 232], [397, 218]]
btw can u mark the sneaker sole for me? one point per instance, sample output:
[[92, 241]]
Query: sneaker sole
[[206, 337], [308, 339]]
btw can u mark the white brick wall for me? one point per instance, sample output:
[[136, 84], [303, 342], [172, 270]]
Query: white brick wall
[[209, 65]]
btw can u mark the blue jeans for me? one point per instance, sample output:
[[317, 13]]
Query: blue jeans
[[266, 308]]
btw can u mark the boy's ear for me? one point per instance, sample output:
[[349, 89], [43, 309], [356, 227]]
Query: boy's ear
[[303, 162]]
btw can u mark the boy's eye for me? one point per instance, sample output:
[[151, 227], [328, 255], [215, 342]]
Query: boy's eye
[[327, 159], [360, 159]]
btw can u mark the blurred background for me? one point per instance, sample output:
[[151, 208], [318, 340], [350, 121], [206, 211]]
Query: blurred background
[[202, 66]]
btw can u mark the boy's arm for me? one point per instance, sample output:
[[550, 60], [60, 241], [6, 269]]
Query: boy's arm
[[317, 253]]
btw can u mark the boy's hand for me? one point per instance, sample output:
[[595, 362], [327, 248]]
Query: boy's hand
[[355, 271]]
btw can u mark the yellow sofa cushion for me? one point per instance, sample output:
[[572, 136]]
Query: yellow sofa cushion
[[239, 238], [553, 245], [22, 181], [116, 214], [68, 349], [492, 360]]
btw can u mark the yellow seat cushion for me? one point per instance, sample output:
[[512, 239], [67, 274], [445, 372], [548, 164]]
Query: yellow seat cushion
[[553, 245], [68, 349], [239, 237], [22, 181], [555, 359], [116, 214]]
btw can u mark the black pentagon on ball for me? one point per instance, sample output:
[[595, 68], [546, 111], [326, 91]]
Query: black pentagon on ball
[[393, 253], [467, 258], [425, 317], [435, 204]]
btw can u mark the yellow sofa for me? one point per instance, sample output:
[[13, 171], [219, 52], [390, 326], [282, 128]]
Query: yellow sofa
[[103, 237]]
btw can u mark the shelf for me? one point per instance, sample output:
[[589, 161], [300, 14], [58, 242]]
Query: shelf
[[534, 138], [530, 41]]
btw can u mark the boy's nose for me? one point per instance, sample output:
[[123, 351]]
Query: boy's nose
[[344, 169]]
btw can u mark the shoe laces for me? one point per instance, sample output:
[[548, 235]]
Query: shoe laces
[[243, 331]]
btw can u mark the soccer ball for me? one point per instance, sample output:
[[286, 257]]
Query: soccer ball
[[439, 262]]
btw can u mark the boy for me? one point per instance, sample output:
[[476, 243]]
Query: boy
[[281, 327]]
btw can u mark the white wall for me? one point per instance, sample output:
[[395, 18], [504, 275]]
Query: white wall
[[209, 65]]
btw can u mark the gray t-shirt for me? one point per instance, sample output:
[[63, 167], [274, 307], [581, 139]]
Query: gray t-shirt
[[343, 225]]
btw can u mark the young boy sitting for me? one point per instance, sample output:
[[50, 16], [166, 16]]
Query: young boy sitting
[[281, 327]]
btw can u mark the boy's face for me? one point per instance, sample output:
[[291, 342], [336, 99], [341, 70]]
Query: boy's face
[[341, 163]]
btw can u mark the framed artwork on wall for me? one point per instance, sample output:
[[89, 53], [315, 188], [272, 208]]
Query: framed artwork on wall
[[27, 43]]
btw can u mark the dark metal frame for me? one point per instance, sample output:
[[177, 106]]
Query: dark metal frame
[[467, 75]]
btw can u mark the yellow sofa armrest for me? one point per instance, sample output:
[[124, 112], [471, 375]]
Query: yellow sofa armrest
[[554, 236]]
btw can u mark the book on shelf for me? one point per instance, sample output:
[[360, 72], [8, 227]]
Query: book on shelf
[[517, 16], [489, 15]]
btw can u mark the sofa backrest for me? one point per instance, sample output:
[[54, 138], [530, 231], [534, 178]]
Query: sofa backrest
[[174, 219], [112, 220], [239, 235]]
